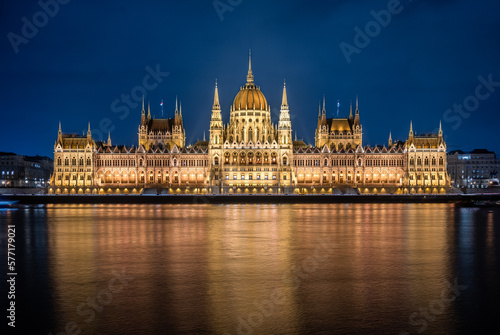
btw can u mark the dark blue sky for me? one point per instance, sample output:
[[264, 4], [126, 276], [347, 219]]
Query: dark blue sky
[[415, 67]]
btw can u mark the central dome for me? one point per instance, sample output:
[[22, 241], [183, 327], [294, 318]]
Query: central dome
[[250, 96]]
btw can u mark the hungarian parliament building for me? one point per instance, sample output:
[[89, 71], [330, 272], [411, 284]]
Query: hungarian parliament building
[[250, 155]]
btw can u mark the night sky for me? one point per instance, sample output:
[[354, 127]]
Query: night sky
[[416, 64]]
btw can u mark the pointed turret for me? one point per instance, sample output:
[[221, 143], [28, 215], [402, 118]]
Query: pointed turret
[[323, 112], [180, 112], [109, 139], [250, 74], [149, 111], [284, 100], [440, 130], [89, 134], [59, 133], [143, 112], [216, 97], [350, 111], [176, 105], [356, 115], [390, 139]]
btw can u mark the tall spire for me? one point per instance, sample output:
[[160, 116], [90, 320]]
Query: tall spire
[[357, 105], [284, 101], [350, 111], [109, 139], [60, 131], [324, 105], [176, 105], [143, 103], [250, 74], [411, 129], [440, 129], [216, 97], [149, 110], [204, 137], [390, 138], [88, 131]]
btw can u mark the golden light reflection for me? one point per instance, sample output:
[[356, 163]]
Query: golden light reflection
[[220, 263]]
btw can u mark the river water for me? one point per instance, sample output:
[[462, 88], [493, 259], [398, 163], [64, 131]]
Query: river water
[[254, 269]]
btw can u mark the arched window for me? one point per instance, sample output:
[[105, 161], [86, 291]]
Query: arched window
[[59, 161], [441, 161], [73, 161], [216, 161], [426, 161], [285, 161], [419, 161]]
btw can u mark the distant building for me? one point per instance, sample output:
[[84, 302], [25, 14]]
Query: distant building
[[473, 169], [250, 154], [24, 171]]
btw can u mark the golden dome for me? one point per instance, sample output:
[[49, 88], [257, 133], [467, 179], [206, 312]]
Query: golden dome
[[250, 97]]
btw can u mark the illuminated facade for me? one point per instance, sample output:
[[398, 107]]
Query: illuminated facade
[[250, 154]]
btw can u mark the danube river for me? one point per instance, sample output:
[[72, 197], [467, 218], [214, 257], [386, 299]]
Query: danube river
[[254, 269]]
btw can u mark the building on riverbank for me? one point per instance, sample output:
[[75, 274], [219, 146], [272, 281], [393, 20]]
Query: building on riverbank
[[250, 154], [24, 171], [473, 169]]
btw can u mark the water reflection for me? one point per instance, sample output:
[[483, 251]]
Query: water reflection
[[237, 269]]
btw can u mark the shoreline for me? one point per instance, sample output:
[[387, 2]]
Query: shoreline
[[462, 199]]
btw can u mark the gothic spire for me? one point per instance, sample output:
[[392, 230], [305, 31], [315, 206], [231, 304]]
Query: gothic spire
[[149, 110], [324, 105], [284, 101], [216, 97], [350, 111], [250, 74]]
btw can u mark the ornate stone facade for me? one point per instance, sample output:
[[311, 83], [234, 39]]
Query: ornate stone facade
[[250, 154]]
